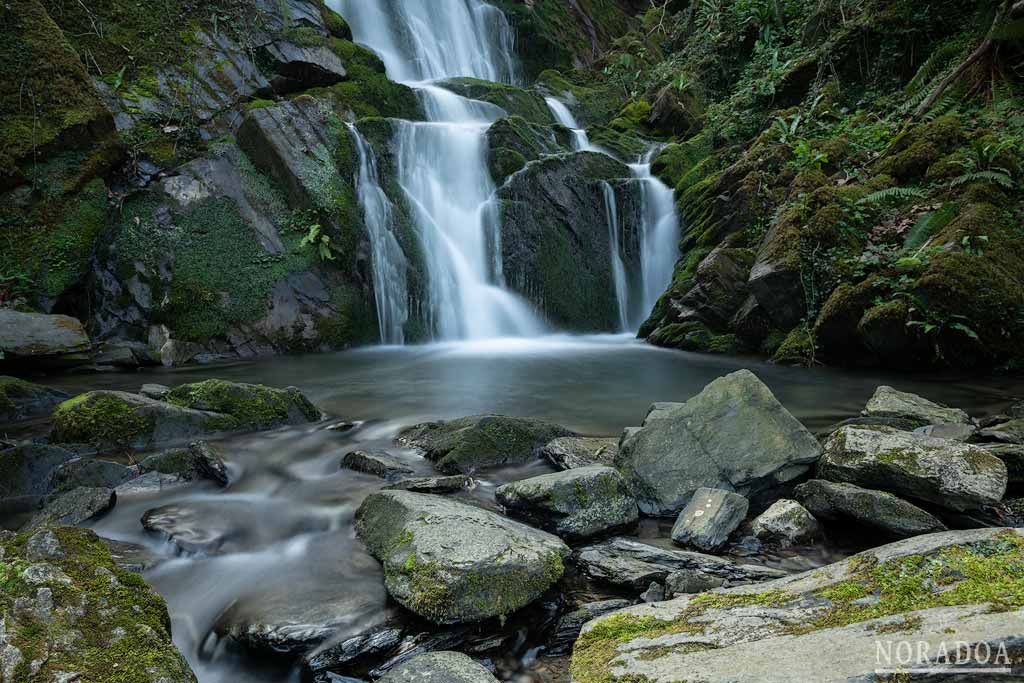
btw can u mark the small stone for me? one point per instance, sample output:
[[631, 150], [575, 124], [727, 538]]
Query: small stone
[[895, 517], [787, 522], [690, 581], [43, 545], [156, 392], [570, 452], [450, 484], [439, 667], [888, 402], [654, 593], [74, 507], [709, 518], [378, 463]]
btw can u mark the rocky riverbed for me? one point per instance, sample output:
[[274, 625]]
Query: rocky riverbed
[[720, 537]]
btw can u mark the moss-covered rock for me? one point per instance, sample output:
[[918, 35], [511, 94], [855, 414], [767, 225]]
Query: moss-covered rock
[[20, 399], [246, 406], [67, 607], [516, 101]]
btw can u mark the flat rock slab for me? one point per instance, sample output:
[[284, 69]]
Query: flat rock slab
[[440, 667], [466, 444], [573, 504], [1011, 431], [37, 335], [786, 522], [709, 518], [948, 473], [734, 435], [378, 463], [74, 507], [570, 452], [449, 484], [890, 403], [632, 564], [778, 631], [832, 501], [451, 562]]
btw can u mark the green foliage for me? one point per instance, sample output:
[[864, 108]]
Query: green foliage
[[319, 241], [894, 194]]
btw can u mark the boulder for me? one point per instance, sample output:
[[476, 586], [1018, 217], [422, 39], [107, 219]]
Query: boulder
[[951, 474], [888, 402], [69, 602], [91, 473], [955, 432], [690, 581], [631, 564], [39, 339], [451, 562], [568, 627], [20, 399], [26, 475], [246, 407], [569, 452], [1012, 456], [149, 483], [1011, 431], [466, 444], [709, 518], [449, 484], [573, 504], [734, 435], [939, 588], [786, 522], [831, 501], [440, 667], [157, 392], [379, 464], [200, 460], [74, 507]]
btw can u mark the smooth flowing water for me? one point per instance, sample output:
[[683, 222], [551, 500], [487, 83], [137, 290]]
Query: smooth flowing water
[[581, 141], [282, 530], [618, 267]]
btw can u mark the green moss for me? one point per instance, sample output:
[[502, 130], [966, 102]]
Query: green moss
[[243, 406], [798, 348], [633, 116], [12, 388], [99, 418]]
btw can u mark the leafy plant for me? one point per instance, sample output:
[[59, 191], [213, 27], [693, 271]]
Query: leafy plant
[[981, 165], [806, 157], [786, 129], [316, 238], [893, 194]]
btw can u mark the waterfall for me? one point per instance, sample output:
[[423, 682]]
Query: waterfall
[[442, 163], [389, 264], [581, 142], [659, 235], [618, 267]]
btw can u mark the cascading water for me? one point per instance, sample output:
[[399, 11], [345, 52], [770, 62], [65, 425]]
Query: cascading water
[[581, 141], [618, 267], [389, 264], [442, 163]]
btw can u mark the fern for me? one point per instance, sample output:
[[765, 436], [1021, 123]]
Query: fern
[[996, 177], [893, 194], [928, 226], [935, 66]]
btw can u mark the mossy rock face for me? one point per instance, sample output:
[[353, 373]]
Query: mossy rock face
[[516, 101], [513, 141], [20, 399], [453, 563], [466, 444], [967, 585], [67, 607], [246, 406]]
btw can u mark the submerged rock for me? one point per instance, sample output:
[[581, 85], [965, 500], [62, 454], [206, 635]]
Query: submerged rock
[[734, 435], [200, 460], [72, 609], [379, 464], [74, 507], [574, 504], [631, 564], [709, 518], [786, 522], [954, 475], [883, 511], [466, 444], [890, 403], [451, 562], [440, 667], [777, 632], [449, 484], [570, 452], [20, 399]]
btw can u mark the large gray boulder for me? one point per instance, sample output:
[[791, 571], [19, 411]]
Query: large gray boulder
[[890, 403], [832, 501], [734, 435], [1010, 432], [786, 522], [439, 667], [91, 473], [20, 399], [451, 562], [951, 586], [378, 463], [709, 518], [569, 452], [466, 444], [199, 460], [948, 473], [628, 563], [36, 338], [574, 504]]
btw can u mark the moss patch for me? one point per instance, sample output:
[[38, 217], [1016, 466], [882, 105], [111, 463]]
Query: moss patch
[[99, 418], [244, 406]]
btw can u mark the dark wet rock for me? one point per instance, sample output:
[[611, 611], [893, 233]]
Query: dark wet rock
[[570, 452], [1012, 456], [831, 501], [466, 444], [157, 392], [91, 473], [450, 562], [786, 522], [378, 463], [690, 581], [449, 484], [375, 643], [948, 473], [568, 628], [631, 564], [573, 504], [779, 632], [36, 339], [69, 603], [131, 556], [863, 421], [151, 482], [734, 435], [20, 399], [26, 475], [1011, 432], [440, 667], [555, 239], [709, 518], [297, 67], [888, 402], [199, 460], [74, 507], [527, 104]]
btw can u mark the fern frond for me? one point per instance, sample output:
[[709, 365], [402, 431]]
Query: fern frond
[[934, 65], [893, 194], [996, 177], [929, 225]]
